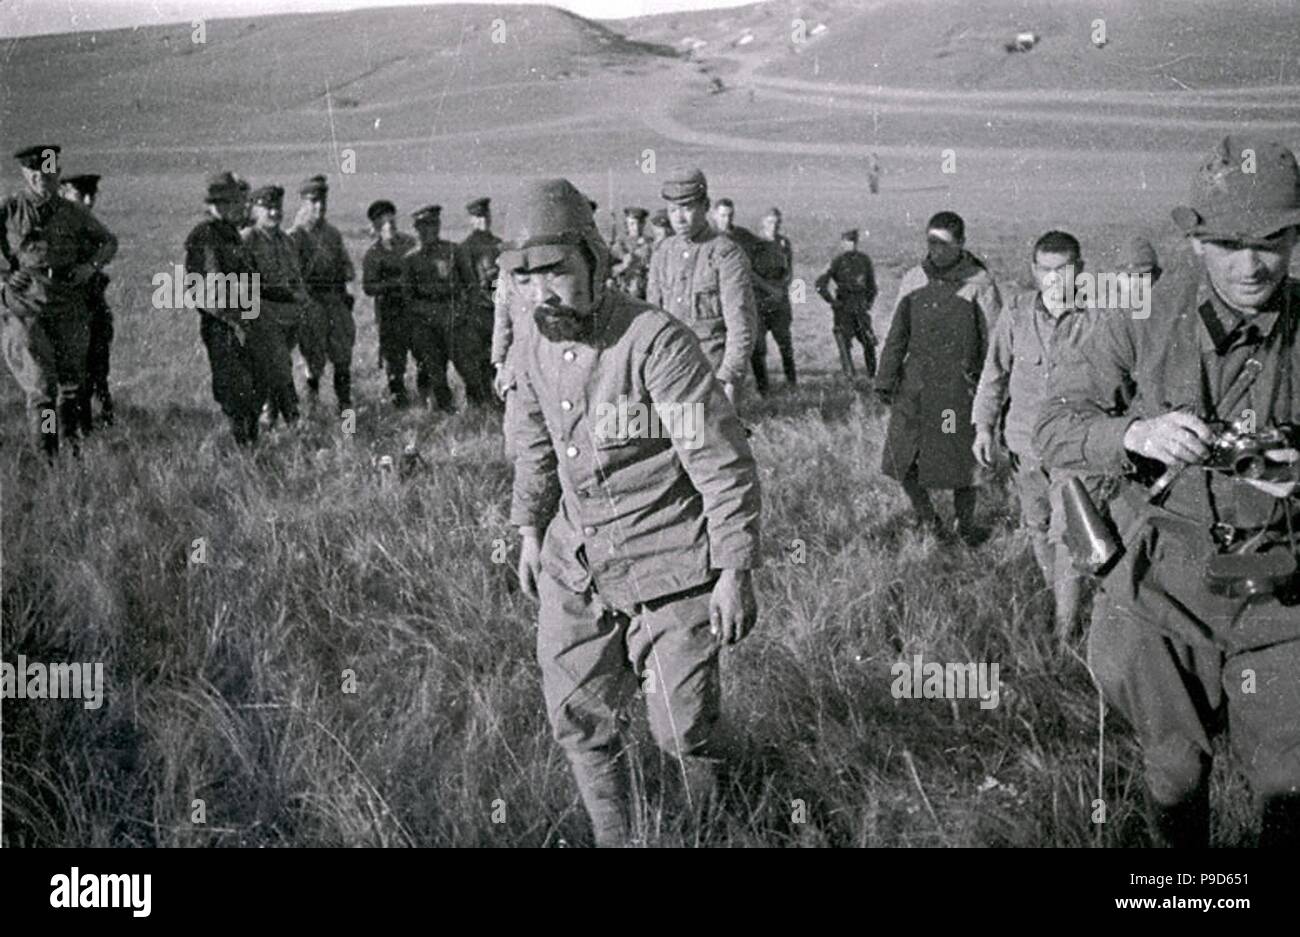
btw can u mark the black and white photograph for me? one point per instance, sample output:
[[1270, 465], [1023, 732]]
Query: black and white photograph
[[651, 424]]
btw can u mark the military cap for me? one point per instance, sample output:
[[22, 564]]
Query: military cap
[[634, 212], [270, 196], [427, 213], [1245, 189], [684, 186], [225, 187], [1138, 256], [660, 218], [380, 208], [479, 208], [33, 157], [552, 216], [314, 187], [850, 235], [86, 183]]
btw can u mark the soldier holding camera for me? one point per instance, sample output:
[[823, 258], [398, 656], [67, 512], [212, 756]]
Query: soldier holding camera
[[1200, 618]]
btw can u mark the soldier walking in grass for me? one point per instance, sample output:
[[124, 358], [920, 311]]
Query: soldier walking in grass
[[854, 280], [638, 546], [929, 369], [702, 277], [383, 278], [1197, 628], [84, 190], [1036, 328], [53, 251], [327, 333]]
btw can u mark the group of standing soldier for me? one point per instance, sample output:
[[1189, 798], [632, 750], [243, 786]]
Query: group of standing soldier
[[639, 548]]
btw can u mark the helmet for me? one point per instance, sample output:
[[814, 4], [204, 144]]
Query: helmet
[[551, 215]]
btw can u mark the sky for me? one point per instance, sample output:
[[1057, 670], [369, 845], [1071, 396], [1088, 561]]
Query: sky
[[30, 17]]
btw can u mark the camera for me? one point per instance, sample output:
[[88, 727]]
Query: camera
[[1240, 452]]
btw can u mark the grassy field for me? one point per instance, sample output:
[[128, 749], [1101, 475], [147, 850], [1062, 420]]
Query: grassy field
[[227, 680]]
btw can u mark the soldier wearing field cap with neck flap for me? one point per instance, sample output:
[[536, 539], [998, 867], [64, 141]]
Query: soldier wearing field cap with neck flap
[[649, 534], [1196, 408]]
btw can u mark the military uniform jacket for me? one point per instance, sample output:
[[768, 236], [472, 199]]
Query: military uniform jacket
[[931, 365], [47, 238], [1020, 369], [215, 247], [284, 294], [1136, 369], [854, 279], [638, 514], [703, 280], [383, 273], [433, 278], [772, 264], [477, 256], [322, 258]]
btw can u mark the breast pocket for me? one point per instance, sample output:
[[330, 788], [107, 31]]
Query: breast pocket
[[708, 303]]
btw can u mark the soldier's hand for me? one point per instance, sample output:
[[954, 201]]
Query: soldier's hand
[[729, 388], [732, 607], [984, 448], [530, 561], [19, 280], [502, 381], [1175, 438]]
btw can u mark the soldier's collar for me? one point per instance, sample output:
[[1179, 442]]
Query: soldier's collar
[[1220, 322]]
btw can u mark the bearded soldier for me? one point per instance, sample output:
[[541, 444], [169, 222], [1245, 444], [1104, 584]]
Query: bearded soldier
[[1197, 628], [638, 545]]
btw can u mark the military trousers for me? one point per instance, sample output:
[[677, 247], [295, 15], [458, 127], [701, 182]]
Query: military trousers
[[1042, 515], [46, 353], [851, 321], [270, 339], [470, 351], [235, 384], [98, 350], [775, 320], [427, 333], [326, 335], [593, 658], [1178, 690]]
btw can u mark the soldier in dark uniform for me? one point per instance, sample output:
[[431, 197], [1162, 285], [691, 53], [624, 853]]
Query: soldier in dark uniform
[[660, 228], [52, 249], [855, 291], [214, 248], [283, 302], [328, 332], [383, 279], [472, 337], [433, 289], [1197, 628], [631, 251], [929, 369], [83, 190], [772, 262]]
